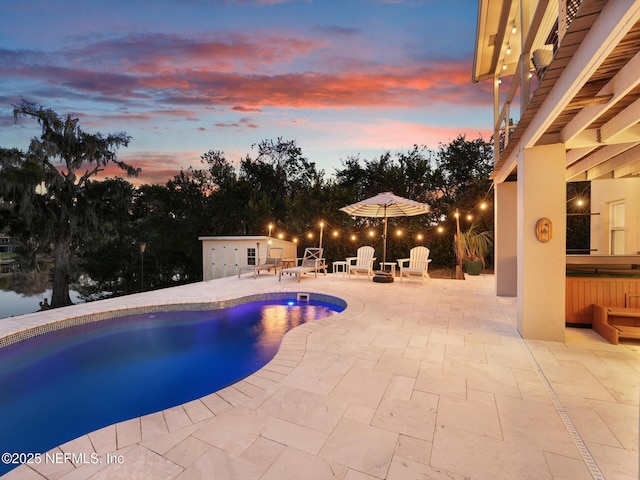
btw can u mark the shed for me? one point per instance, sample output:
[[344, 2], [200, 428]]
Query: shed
[[222, 256]]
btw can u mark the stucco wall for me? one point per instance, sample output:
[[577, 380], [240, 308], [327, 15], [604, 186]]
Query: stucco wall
[[603, 194]]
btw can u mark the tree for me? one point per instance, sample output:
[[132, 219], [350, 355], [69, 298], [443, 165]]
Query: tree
[[21, 208], [110, 260], [461, 181], [66, 217]]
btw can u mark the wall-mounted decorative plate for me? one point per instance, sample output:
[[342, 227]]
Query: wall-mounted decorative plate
[[544, 230]]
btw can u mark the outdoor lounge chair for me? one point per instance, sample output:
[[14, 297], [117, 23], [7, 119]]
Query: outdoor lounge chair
[[363, 262], [311, 262], [416, 265], [272, 262]]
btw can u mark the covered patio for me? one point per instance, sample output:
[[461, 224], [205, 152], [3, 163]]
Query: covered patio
[[566, 81], [410, 381]]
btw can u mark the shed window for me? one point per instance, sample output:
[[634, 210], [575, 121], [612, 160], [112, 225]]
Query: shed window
[[251, 256]]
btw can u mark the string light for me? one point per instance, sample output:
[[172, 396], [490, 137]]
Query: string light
[[399, 232]]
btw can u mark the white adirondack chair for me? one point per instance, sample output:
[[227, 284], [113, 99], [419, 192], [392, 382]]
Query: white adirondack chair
[[363, 263], [416, 265]]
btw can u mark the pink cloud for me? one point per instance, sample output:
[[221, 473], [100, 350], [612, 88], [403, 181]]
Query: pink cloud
[[392, 134], [242, 73], [239, 108], [156, 168]]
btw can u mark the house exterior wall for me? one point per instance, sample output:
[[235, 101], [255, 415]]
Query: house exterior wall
[[603, 194], [506, 241], [222, 256], [542, 193]]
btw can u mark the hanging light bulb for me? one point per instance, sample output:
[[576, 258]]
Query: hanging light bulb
[[508, 49], [514, 29], [440, 229], [483, 206]]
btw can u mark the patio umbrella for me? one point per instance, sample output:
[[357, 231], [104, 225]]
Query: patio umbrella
[[386, 205]]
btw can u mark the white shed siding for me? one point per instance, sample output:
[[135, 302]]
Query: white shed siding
[[222, 256]]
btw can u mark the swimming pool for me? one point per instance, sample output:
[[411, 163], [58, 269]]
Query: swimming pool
[[61, 385]]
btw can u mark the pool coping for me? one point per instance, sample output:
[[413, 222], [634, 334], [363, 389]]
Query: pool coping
[[84, 319]]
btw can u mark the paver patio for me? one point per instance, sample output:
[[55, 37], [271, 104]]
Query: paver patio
[[411, 381]]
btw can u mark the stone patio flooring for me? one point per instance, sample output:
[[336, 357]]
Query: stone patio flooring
[[411, 381]]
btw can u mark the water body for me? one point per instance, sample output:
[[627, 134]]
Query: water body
[[12, 303]]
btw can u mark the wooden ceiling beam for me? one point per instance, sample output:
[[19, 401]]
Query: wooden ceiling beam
[[623, 121], [628, 169], [596, 158], [614, 163], [620, 85], [594, 137]]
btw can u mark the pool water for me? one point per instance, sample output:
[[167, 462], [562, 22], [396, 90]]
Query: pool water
[[59, 386]]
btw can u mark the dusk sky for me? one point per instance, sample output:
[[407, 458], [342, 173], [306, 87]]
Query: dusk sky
[[341, 77]]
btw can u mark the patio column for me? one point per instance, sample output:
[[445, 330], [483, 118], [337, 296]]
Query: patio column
[[541, 265], [506, 241]]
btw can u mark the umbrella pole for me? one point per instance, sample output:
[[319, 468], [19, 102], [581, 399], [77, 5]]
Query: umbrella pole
[[384, 244], [383, 276]]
